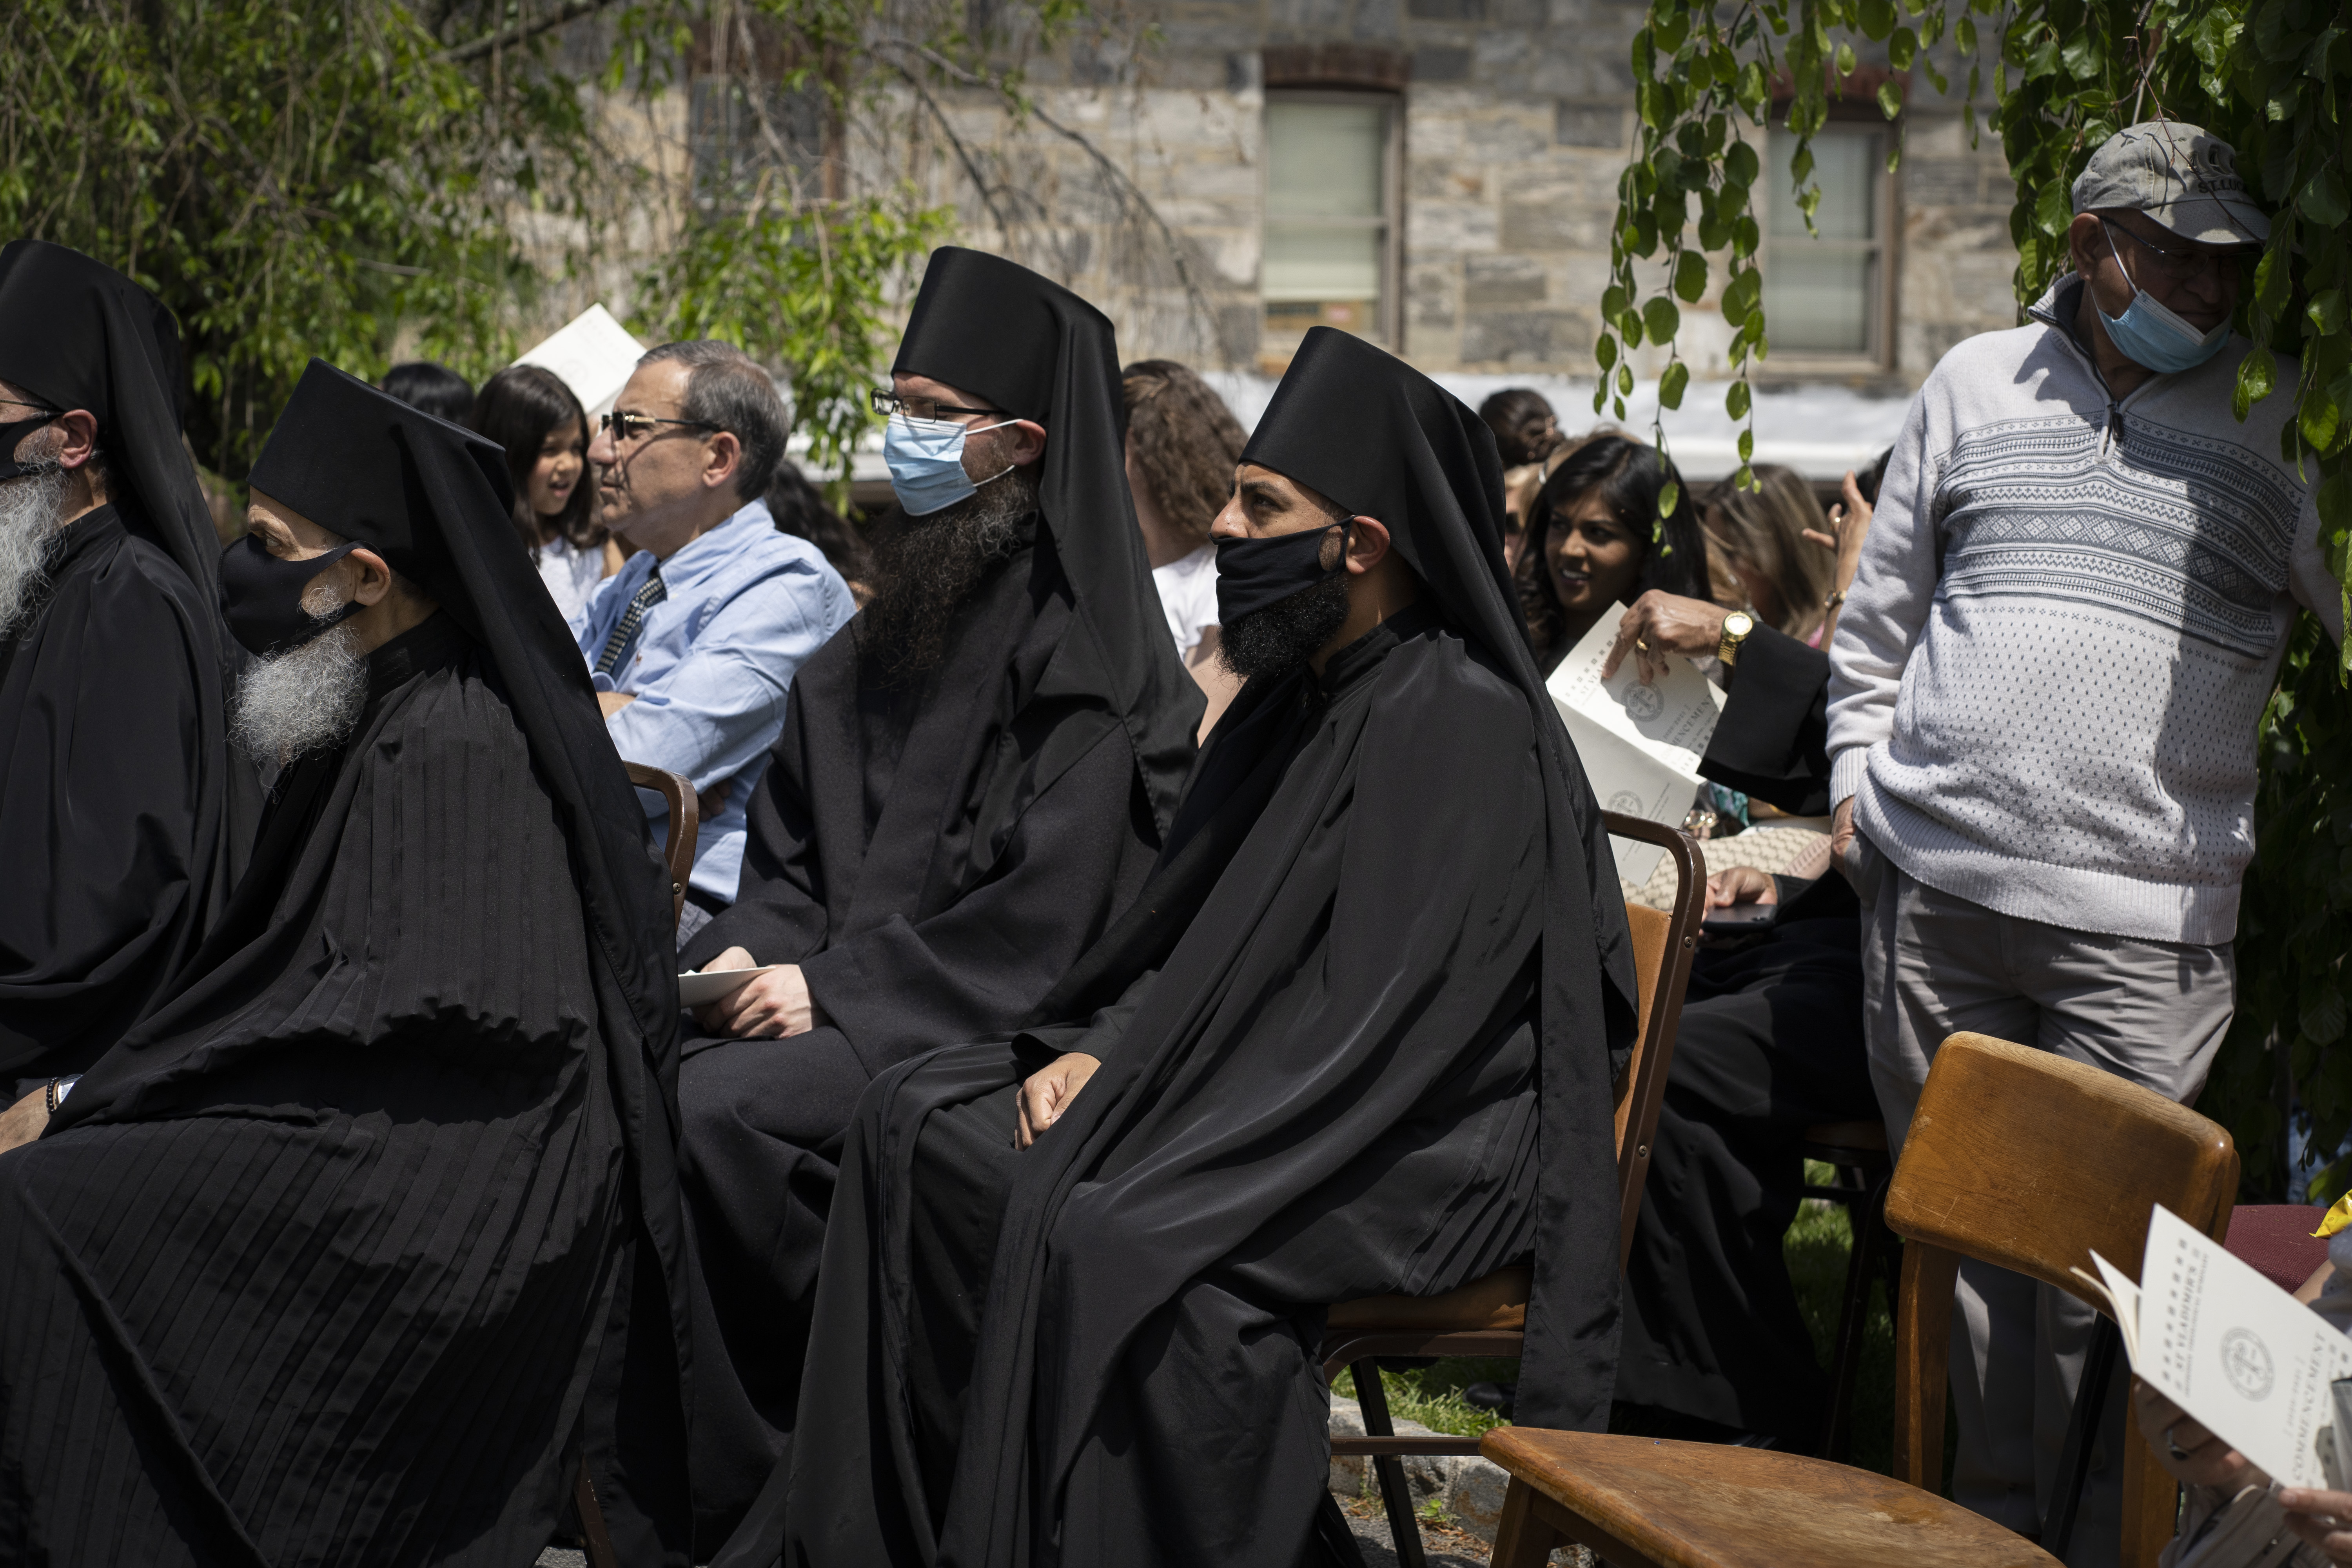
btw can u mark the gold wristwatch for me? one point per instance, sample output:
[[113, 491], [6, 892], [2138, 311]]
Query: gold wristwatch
[[1736, 627]]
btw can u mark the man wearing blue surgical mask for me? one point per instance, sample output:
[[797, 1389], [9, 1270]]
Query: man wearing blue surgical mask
[[971, 783], [2045, 685]]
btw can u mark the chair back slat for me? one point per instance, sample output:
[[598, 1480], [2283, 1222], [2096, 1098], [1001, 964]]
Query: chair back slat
[[2020, 1158], [685, 827], [1665, 942]]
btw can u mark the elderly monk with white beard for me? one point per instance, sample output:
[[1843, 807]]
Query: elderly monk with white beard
[[320, 1263], [122, 805], [971, 781]]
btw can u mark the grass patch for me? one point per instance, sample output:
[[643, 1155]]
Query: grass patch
[[1816, 1248]]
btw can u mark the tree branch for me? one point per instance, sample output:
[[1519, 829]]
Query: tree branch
[[522, 32]]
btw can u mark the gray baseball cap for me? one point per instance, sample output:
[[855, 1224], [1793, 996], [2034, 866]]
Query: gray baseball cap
[[2181, 175]]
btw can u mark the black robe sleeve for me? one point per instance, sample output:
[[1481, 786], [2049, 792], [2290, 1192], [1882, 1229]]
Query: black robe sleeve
[[1772, 741]]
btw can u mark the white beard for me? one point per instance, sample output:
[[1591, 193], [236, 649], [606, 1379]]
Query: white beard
[[307, 698], [32, 508]]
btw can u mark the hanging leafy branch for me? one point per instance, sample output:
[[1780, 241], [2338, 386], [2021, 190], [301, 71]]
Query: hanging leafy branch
[[2273, 78]]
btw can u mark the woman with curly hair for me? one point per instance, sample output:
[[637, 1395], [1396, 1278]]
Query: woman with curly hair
[[1595, 541], [533, 414], [1183, 443]]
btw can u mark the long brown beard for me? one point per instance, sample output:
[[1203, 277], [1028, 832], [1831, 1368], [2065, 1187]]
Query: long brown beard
[[927, 569]]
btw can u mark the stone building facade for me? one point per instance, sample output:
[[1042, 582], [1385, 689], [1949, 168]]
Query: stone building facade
[[1507, 123]]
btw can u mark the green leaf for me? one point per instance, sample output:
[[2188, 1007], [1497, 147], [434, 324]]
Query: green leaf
[[1624, 382], [1605, 351], [2326, 312], [1670, 385], [1877, 18], [2323, 1018], [2042, 62], [1660, 319], [1740, 165], [1902, 49], [1964, 33], [2323, 200], [2257, 377], [1670, 494], [1890, 99], [1735, 399], [2082, 55], [1845, 61], [1613, 303], [2320, 420], [1747, 447], [1690, 276]]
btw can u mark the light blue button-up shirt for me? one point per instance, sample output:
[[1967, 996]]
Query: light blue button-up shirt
[[746, 606]]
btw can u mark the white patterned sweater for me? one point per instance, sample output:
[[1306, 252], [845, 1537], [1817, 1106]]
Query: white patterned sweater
[[2045, 684]]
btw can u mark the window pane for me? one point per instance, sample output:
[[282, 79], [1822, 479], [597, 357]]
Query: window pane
[[1845, 165], [1819, 302], [1310, 264], [1323, 159]]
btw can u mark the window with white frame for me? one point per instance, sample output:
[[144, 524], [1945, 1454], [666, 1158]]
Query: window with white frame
[[1330, 216], [1827, 297]]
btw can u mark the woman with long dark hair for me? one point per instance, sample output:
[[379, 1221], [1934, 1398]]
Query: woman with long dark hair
[[530, 413], [1595, 541]]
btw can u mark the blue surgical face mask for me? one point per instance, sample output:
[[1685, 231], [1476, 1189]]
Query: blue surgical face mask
[[2149, 334], [925, 458]]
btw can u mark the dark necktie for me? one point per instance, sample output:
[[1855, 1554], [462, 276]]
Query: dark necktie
[[623, 640]]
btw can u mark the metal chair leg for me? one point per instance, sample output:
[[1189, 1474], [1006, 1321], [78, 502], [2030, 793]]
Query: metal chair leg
[[1866, 1219], [1396, 1497], [2082, 1431]]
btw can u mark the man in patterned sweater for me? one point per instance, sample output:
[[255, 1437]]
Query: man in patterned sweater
[[2069, 616]]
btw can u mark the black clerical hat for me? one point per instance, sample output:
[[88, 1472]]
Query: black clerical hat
[[348, 456], [1031, 347], [78, 334]]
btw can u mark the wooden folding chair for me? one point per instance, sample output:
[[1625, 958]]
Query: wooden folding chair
[[1488, 1317], [2016, 1157], [678, 855]]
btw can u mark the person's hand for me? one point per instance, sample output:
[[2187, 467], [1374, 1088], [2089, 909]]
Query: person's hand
[[1741, 885], [2192, 1453], [21, 1122], [1849, 523], [709, 803], [1842, 836], [1662, 623], [1047, 1093], [775, 1007], [2322, 1518]]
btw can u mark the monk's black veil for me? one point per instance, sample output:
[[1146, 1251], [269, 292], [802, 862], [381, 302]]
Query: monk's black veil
[[1384, 441], [1034, 349]]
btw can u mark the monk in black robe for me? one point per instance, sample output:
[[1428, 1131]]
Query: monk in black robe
[[973, 780], [316, 1263], [123, 807], [1356, 1035]]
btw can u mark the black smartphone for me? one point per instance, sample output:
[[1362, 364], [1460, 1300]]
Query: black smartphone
[[1739, 920]]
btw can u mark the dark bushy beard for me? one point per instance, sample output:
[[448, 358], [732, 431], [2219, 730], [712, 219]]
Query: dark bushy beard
[[927, 569], [32, 508], [1284, 635], [307, 698]]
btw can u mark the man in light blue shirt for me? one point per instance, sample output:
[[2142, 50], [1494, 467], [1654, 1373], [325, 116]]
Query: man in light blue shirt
[[692, 645]]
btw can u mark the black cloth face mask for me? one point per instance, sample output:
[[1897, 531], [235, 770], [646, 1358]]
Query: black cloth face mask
[[14, 431], [1254, 572], [262, 596]]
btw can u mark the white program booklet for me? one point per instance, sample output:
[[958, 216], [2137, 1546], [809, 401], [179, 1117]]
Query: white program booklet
[[697, 987], [1640, 744], [2246, 1360]]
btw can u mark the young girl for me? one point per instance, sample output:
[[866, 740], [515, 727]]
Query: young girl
[[530, 413]]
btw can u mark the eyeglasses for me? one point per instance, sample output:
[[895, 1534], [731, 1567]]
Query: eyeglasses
[[626, 428], [887, 403], [2177, 266], [41, 408]]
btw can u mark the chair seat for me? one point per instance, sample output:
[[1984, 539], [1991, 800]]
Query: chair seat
[[1702, 1505], [1497, 1301], [1868, 1136]]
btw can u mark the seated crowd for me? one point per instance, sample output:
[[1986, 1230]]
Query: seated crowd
[[1168, 900]]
